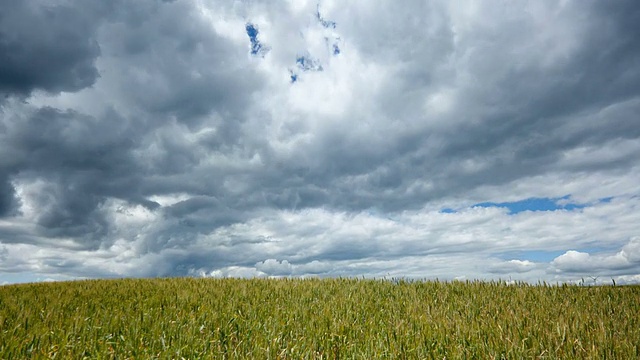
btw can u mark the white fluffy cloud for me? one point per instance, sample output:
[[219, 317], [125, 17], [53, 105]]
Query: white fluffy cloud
[[626, 261], [474, 242]]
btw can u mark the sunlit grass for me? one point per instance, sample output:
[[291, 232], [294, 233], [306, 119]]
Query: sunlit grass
[[316, 319]]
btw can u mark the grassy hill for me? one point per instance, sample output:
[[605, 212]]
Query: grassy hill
[[316, 319]]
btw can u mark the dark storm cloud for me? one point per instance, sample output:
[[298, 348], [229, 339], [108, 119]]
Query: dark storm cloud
[[169, 61], [538, 102], [202, 214], [43, 46], [77, 162], [8, 200], [49, 46]]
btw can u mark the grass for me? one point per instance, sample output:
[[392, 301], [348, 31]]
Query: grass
[[316, 319]]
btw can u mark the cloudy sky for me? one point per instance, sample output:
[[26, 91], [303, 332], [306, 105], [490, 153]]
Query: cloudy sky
[[422, 139]]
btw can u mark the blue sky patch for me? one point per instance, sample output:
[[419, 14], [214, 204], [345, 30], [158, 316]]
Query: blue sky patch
[[448, 211], [327, 24], [257, 48], [306, 63], [534, 204]]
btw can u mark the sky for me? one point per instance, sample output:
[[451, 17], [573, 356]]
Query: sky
[[450, 140]]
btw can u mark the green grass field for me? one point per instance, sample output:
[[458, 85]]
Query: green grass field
[[316, 319]]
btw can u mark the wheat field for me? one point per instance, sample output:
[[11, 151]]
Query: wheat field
[[317, 319]]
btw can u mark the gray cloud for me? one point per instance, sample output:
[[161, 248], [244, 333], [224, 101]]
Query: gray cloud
[[168, 60], [49, 46], [8, 200], [72, 162], [148, 136]]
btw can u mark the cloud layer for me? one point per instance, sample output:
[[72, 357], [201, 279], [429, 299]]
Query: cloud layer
[[248, 138]]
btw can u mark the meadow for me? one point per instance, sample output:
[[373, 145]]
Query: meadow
[[317, 319]]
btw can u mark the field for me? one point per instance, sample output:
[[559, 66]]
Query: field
[[317, 319]]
